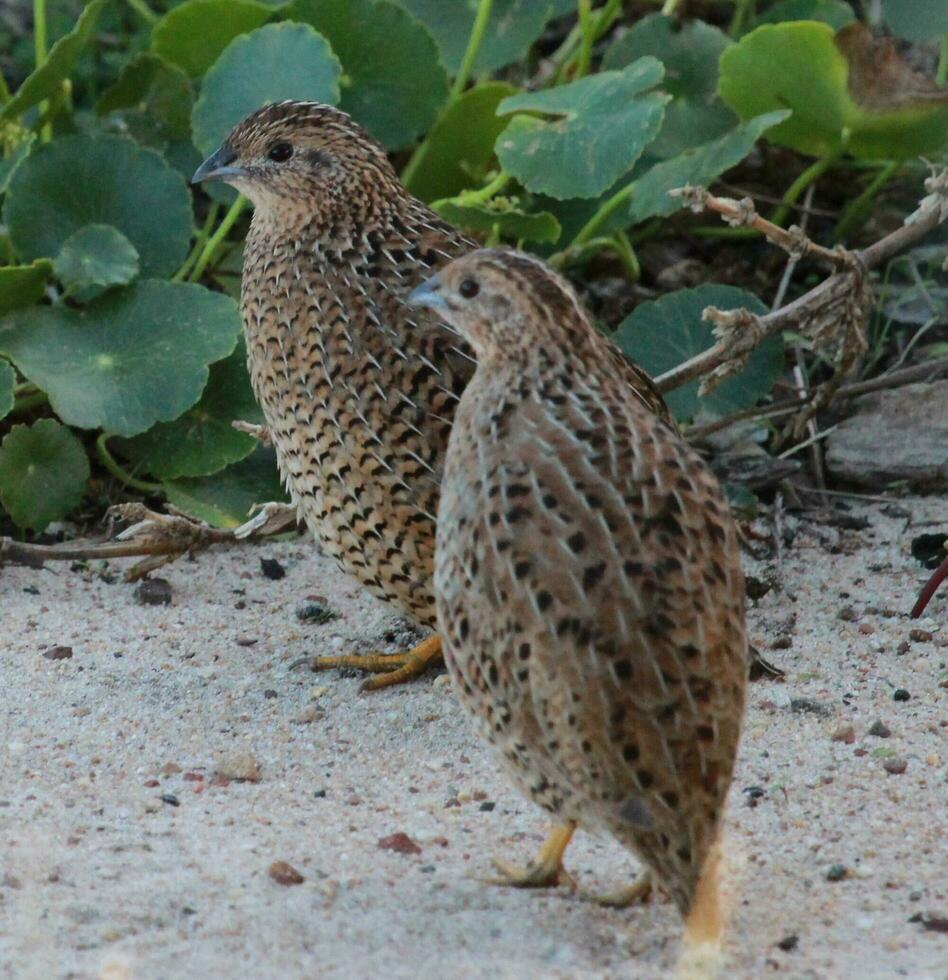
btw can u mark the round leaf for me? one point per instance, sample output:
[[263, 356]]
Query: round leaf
[[130, 358], [193, 34], [276, 62], [513, 26], [690, 54], [836, 13], [604, 122], [202, 441], [225, 499], [93, 259], [394, 83], [460, 146], [878, 117], [151, 95], [917, 20], [23, 285], [507, 220], [664, 333], [58, 65], [43, 473], [7, 384], [81, 180]]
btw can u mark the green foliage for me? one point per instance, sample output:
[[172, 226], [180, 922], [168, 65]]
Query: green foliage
[[276, 62], [43, 473], [82, 180], [762, 73], [127, 360], [662, 334], [690, 54], [394, 82], [602, 124], [93, 259], [116, 278]]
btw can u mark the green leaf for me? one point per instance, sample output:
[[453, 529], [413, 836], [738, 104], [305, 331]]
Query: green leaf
[[7, 384], [836, 13], [151, 94], [690, 53], [507, 219], [23, 285], [93, 259], [662, 334], [132, 357], [460, 146], [225, 499], [513, 26], [394, 83], [698, 166], [603, 123], [762, 72], [193, 34], [82, 180], [43, 473], [19, 154], [202, 441], [59, 63], [917, 20], [276, 62]]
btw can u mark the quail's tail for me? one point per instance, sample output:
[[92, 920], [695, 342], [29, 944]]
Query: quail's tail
[[702, 957]]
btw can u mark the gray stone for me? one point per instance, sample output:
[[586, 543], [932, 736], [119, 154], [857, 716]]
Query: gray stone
[[900, 434]]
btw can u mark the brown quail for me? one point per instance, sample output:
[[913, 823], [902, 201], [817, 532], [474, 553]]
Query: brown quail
[[588, 582]]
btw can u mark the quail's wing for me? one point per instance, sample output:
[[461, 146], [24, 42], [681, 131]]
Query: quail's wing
[[623, 569]]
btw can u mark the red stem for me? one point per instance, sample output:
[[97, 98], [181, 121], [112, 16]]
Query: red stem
[[939, 575]]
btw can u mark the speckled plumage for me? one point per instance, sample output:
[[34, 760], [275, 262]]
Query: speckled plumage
[[588, 579], [357, 389]]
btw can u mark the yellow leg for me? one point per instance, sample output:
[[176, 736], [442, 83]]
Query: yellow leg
[[546, 869], [638, 892], [392, 668]]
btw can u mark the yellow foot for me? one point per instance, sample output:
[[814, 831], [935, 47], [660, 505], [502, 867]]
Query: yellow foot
[[546, 869], [639, 892], [394, 668]]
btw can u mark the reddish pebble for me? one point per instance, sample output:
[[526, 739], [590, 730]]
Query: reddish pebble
[[895, 766], [58, 653], [285, 874], [845, 733], [219, 781], [193, 777], [151, 782], [866, 628], [401, 843], [920, 636]]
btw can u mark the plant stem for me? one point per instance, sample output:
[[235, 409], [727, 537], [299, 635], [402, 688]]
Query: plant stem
[[25, 402], [857, 210], [941, 75], [470, 53], [587, 30], [623, 247], [566, 55], [213, 243], [743, 10], [144, 11], [199, 242], [812, 173], [110, 463], [4, 90], [39, 47], [669, 7], [606, 210], [486, 192]]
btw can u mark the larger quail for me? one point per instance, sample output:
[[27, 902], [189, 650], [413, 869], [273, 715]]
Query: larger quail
[[358, 390], [588, 582]]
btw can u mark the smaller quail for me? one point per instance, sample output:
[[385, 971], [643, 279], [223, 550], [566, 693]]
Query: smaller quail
[[587, 582]]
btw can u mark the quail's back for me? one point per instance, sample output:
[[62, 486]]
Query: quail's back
[[587, 576]]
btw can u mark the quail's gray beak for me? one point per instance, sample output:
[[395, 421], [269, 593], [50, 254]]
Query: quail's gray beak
[[428, 294], [218, 166]]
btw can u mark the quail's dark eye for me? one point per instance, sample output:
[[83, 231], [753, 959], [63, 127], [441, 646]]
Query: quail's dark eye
[[280, 152], [469, 288]]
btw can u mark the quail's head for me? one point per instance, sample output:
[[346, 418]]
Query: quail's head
[[299, 157], [501, 301]]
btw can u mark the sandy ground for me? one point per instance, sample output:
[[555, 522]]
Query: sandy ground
[[123, 855]]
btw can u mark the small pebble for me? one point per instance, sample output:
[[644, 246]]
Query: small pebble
[[285, 874], [272, 569], [808, 706], [756, 588], [239, 765], [880, 729], [752, 794], [900, 694], [170, 799], [32, 590], [58, 653], [845, 733], [837, 872], [315, 613], [847, 614], [487, 806], [782, 643], [895, 766], [920, 636], [400, 843], [789, 943], [246, 641], [154, 592], [309, 715], [903, 648], [270, 694]]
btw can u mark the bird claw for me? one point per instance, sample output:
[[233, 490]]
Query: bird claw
[[638, 893], [271, 518], [534, 875], [392, 668]]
